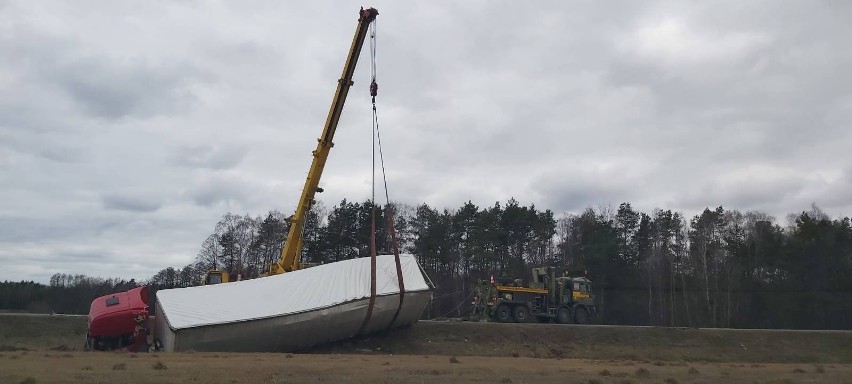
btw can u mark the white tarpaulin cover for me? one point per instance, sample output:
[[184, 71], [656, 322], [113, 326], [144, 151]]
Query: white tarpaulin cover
[[295, 292]]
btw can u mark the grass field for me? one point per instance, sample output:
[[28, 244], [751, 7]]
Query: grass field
[[47, 350]]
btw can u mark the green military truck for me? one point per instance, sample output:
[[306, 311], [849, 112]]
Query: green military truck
[[564, 299]]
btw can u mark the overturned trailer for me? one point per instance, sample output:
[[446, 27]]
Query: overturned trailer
[[292, 311]]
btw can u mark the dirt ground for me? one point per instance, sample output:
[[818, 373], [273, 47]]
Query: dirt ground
[[47, 350]]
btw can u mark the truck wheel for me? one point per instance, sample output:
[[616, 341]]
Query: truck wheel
[[503, 314], [581, 315], [563, 316], [521, 314]]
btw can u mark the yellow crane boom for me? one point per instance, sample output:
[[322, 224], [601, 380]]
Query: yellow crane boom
[[290, 253]]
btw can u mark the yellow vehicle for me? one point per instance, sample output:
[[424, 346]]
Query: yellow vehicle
[[290, 254], [292, 250], [547, 297], [216, 276]]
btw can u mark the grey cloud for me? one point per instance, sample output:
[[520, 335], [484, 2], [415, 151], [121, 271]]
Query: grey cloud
[[757, 194], [61, 154], [114, 90], [22, 229], [573, 191], [55, 146], [101, 85], [218, 189], [577, 198], [92, 256], [830, 194], [208, 156], [565, 105], [123, 202]]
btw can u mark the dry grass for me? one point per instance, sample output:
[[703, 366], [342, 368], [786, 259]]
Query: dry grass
[[503, 352], [642, 372], [58, 333], [199, 367], [642, 345]]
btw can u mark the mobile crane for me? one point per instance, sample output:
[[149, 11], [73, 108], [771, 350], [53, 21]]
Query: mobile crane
[[292, 250], [547, 297], [117, 320]]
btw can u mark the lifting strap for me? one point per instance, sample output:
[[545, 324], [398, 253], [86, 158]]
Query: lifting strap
[[392, 231], [389, 212], [372, 270]]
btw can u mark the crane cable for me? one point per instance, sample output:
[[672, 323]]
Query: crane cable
[[389, 212], [374, 87]]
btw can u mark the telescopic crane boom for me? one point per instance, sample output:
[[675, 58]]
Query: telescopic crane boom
[[290, 253]]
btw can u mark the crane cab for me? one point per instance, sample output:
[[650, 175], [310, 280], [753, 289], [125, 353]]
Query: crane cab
[[215, 276]]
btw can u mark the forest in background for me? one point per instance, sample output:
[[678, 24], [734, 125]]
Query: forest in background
[[719, 268]]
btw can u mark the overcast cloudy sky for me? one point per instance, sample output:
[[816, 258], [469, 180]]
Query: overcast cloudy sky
[[128, 128]]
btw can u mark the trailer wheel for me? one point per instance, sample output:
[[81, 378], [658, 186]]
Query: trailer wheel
[[503, 314], [521, 314], [581, 315], [563, 315]]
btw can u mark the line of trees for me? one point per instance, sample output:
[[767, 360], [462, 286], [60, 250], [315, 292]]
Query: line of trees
[[65, 293], [719, 268]]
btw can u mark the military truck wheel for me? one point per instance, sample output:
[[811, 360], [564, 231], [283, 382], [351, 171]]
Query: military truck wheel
[[563, 316], [503, 314], [521, 314], [581, 315]]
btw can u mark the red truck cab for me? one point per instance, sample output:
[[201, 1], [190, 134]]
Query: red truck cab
[[118, 321]]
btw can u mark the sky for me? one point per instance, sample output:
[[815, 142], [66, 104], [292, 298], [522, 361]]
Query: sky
[[129, 128]]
